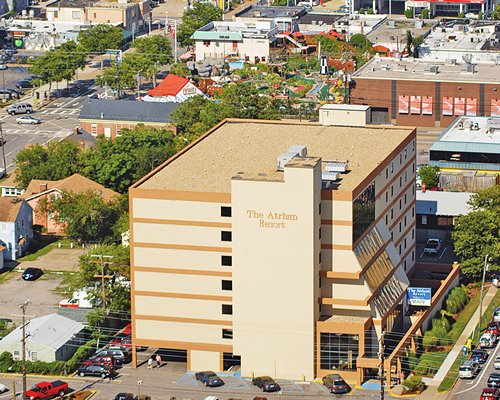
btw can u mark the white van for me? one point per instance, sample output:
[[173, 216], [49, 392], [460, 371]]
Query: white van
[[78, 300]]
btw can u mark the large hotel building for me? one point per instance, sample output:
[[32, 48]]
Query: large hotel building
[[281, 246]]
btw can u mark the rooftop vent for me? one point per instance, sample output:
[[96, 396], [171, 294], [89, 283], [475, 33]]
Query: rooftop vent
[[468, 69], [336, 166], [400, 68], [451, 61], [431, 69], [329, 176], [385, 67], [493, 124]]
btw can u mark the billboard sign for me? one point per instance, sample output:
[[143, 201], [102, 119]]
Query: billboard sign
[[419, 296]]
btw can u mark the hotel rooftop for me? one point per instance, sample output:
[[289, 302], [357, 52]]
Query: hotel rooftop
[[240, 148]]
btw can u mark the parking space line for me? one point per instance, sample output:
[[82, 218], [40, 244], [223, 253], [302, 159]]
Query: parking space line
[[444, 251]]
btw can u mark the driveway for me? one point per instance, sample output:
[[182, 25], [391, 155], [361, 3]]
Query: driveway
[[58, 259], [14, 291]]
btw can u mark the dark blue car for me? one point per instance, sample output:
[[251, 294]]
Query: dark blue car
[[209, 378], [479, 356]]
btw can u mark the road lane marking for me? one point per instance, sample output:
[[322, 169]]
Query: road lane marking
[[441, 256]]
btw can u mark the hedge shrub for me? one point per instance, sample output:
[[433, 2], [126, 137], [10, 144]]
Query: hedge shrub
[[457, 300], [413, 385]]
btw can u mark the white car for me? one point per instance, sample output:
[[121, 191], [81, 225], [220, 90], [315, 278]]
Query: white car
[[27, 119], [433, 246], [3, 66], [3, 388], [487, 340]]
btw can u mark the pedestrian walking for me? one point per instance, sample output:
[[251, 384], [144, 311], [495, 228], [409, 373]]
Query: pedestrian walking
[[158, 361], [150, 363]]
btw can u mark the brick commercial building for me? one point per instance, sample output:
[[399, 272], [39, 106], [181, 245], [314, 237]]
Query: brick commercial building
[[415, 92], [280, 246]]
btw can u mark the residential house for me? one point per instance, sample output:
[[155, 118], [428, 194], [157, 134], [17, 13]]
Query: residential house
[[52, 337], [249, 41], [9, 187], [40, 189], [284, 17], [16, 227], [436, 212], [67, 11], [174, 89], [109, 117]]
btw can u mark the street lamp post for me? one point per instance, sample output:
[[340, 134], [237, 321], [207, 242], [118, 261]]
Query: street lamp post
[[139, 383], [485, 268]]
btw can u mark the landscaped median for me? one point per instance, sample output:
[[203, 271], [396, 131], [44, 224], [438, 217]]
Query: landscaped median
[[452, 376]]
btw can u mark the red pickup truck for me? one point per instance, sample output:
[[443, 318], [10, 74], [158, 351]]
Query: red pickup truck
[[47, 390]]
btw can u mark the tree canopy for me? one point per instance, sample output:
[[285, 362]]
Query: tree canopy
[[99, 38], [194, 18], [156, 47], [61, 63], [429, 175], [114, 164], [478, 233], [85, 216], [55, 161]]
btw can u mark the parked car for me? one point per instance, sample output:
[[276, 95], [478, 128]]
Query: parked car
[[3, 388], [32, 274], [124, 396], [96, 370], [496, 315], [47, 390], [21, 108], [119, 356], [108, 361], [266, 383], [28, 119], [336, 384], [24, 84], [479, 356], [209, 378], [487, 340], [490, 394], [3, 66], [494, 380], [493, 328], [496, 363], [468, 370], [432, 246]]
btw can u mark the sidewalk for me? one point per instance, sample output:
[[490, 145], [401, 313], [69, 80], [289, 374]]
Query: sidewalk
[[457, 349]]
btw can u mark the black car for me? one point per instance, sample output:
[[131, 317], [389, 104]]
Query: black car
[[336, 384], [124, 396], [479, 356], [209, 378], [494, 380], [266, 383], [96, 370], [32, 274], [24, 84]]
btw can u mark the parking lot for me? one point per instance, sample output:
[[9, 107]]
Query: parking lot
[[16, 291], [446, 255]]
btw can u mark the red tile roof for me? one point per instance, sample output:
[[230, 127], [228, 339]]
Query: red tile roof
[[170, 86]]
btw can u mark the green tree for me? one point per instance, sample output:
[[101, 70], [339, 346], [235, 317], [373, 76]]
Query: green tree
[[180, 69], [60, 64], [329, 45], [156, 47], [425, 13], [478, 233], [55, 161], [101, 37], [416, 42], [119, 76], [117, 291], [429, 175], [495, 14], [118, 164], [85, 216], [194, 18], [243, 101], [359, 40], [409, 13]]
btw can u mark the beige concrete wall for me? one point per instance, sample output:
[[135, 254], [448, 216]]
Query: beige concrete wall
[[204, 360], [178, 210], [181, 308], [180, 283], [336, 234], [183, 259], [69, 14], [278, 269], [180, 332], [336, 210], [344, 117], [179, 234], [344, 261]]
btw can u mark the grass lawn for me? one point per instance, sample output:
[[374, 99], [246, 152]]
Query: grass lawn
[[43, 249], [5, 276], [452, 376]]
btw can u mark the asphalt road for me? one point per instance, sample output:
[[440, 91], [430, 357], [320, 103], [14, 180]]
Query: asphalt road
[[11, 76], [444, 256], [425, 139], [59, 118], [471, 389]]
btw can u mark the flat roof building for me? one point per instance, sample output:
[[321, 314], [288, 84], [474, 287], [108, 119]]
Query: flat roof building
[[426, 93], [280, 246]]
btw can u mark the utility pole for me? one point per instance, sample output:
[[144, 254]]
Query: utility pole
[[23, 308], [381, 365], [3, 148], [101, 260], [485, 268]]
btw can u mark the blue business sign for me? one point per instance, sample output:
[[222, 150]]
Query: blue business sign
[[418, 296]]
